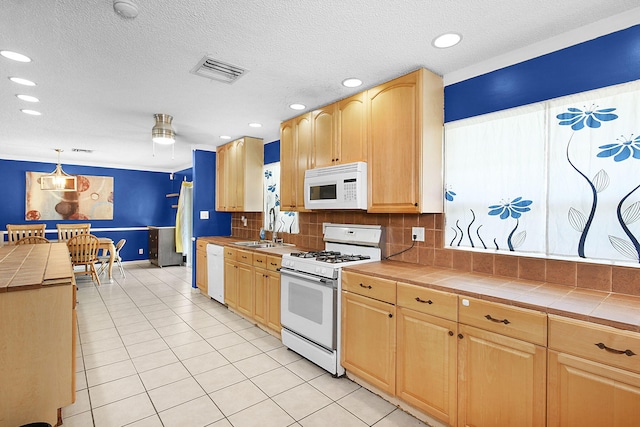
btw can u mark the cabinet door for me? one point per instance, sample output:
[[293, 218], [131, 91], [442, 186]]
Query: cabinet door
[[393, 146], [501, 380], [351, 141], [368, 340], [231, 283], [201, 270], [245, 289], [231, 177], [260, 283], [221, 204], [239, 156], [324, 137], [288, 166], [426, 363], [585, 393], [273, 294], [304, 155]]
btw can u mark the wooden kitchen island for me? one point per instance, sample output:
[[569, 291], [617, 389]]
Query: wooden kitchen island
[[37, 333]]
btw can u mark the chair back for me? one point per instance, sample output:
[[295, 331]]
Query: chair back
[[83, 249], [67, 231], [16, 232], [31, 240], [120, 244]]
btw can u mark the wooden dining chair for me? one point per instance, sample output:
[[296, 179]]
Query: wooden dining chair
[[83, 249], [67, 231], [16, 232], [32, 240]]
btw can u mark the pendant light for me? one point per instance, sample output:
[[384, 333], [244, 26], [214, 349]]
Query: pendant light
[[162, 132], [58, 180]]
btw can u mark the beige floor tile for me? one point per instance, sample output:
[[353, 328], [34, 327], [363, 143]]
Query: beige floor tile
[[110, 372], [83, 419], [182, 338], [156, 306], [124, 411], [123, 321], [263, 414], [195, 413], [134, 327], [98, 335], [104, 358], [193, 349], [302, 401], [237, 397], [252, 333], [204, 362], [159, 314], [283, 355], [176, 393], [82, 404], [227, 340], [164, 375], [81, 380], [277, 381], [124, 311], [176, 328], [367, 406], [219, 378], [140, 337], [112, 391], [227, 317], [152, 421], [334, 388], [200, 322], [221, 423], [334, 416], [147, 347], [166, 321], [101, 345], [399, 418], [239, 351], [154, 360], [305, 369], [211, 331], [238, 325], [256, 365], [91, 326], [267, 343]]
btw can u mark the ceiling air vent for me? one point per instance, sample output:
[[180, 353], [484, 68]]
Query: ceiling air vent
[[81, 150], [217, 70]]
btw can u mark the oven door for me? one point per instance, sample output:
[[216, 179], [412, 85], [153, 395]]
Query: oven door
[[308, 306]]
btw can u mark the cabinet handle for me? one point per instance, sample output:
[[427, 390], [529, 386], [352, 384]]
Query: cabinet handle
[[390, 315], [423, 301], [415, 204], [273, 263], [363, 286], [277, 269], [505, 321], [450, 333], [259, 260], [460, 336], [614, 351]]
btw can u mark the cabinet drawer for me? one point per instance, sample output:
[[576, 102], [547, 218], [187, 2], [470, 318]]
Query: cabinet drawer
[[613, 347], [201, 245], [230, 253], [372, 287], [274, 263], [527, 325], [259, 260], [245, 257], [429, 301]]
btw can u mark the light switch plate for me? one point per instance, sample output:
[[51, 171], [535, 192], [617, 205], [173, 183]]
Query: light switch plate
[[204, 214], [418, 232]]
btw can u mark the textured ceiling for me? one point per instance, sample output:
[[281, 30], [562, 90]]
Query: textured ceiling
[[101, 77]]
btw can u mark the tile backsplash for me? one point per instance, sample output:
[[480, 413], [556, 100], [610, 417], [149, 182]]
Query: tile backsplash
[[603, 277]]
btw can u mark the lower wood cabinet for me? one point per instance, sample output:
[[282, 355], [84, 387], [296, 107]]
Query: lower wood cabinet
[[201, 267], [427, 363], [245, 283], [230, 278], [368, 340], [267, 298]]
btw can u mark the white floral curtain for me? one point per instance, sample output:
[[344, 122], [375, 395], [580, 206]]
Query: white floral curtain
[[274, 219], [558, 178]]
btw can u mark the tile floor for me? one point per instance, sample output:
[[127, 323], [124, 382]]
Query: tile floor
[[152, 351]]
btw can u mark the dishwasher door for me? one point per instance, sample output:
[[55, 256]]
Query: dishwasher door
[[215, 272]]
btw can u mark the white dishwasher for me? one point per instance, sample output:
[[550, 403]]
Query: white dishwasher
[[215, 272]]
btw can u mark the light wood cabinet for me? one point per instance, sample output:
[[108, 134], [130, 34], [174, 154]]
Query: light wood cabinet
[[244, 282], [351, 141], [405, 125], [238, 168], [323, 135], [594, 375], [267, 293], [296, 152], [368, 340], [501, 380], [201, 267], [230, 278]]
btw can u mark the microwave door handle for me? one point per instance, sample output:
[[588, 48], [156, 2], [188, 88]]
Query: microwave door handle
[[320, 280]]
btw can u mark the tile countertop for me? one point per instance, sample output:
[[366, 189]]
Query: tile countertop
[[229, 241], [606, 308]]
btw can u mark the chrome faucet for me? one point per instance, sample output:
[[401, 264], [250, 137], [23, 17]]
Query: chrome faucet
[[272, 224]]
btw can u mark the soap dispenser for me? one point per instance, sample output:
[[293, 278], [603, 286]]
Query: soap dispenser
[[263, 234]]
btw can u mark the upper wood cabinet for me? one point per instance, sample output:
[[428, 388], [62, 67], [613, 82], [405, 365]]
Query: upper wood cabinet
[[405, 124], [295, 158], [323, 130], [238, 169]]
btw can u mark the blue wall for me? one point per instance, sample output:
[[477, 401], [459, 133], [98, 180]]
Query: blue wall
[[139, 201], [604, 61], [272, 152]]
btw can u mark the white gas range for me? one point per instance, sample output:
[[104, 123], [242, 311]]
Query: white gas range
[[310, 291]]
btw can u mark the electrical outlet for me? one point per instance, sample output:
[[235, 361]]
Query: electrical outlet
[[417, 233], [140, 251]]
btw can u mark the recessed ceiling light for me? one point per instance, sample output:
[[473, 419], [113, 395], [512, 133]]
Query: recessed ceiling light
[[351, 82], [32, 112], [28, 98], [15, 56], [297, 106], [447, 40], [21, 81], [255, 125], [225, 137]]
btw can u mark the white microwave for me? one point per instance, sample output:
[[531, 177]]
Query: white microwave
[[336, 187]]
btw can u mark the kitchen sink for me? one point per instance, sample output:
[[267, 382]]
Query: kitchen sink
[[262, 244]]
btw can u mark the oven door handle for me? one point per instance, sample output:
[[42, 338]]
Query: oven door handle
[[323, 281]]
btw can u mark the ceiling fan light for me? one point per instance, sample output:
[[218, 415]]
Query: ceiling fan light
[[162, 132]]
